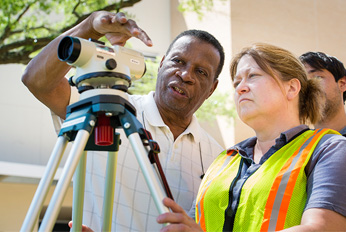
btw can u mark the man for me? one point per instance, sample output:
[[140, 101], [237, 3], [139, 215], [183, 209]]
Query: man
[[332, 74], [187, 76]]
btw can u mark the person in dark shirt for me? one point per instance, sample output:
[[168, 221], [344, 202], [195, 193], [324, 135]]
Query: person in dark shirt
[[332, 75]]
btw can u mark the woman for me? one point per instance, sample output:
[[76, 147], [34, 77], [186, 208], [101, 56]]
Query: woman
[[288, 176]]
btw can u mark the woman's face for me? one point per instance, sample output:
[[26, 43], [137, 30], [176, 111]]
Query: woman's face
[[257, 95]]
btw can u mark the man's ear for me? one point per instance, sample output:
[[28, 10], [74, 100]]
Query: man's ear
[[215, 83], [293, 88], [342, 84], [161, 62]]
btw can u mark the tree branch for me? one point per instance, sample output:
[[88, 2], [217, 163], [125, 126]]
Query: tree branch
[[7, 31], [19, 51], [28, 42], [74, 12]]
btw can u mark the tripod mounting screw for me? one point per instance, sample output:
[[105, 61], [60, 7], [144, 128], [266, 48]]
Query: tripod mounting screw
[[127, 125], [92, 123]]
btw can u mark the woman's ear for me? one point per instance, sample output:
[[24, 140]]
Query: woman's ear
[[292, 88]]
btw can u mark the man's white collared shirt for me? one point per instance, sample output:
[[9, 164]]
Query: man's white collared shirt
[[182, 161]]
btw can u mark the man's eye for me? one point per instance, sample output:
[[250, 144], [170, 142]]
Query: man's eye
[[202, 72], [318, 77], [179, 61]]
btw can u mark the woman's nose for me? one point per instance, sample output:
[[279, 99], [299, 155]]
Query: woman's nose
[[242, 87]]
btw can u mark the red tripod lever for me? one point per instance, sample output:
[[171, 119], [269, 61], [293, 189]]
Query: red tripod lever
[[104, 133]]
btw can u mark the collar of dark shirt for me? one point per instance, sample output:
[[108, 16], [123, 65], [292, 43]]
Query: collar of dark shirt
[[343, 131], [246, 147]]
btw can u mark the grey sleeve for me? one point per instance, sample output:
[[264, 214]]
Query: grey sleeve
[[326, 173]]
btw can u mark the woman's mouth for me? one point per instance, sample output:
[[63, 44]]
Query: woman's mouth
[[243, 100]]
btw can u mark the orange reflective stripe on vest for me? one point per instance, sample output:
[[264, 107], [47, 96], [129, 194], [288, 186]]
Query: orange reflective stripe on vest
[[281, 191]]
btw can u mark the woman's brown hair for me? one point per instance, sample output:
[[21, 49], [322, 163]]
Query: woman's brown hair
[[275, 60]]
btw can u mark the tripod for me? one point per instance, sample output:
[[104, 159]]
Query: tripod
[[104, 110]]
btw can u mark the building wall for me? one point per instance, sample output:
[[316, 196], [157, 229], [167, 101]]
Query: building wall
[[15, 199], [27, 134]]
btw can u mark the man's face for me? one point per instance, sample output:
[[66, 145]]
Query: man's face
[[186, 76], [331, 89]]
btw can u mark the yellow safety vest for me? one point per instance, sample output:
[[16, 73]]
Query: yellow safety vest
[[272, 198]]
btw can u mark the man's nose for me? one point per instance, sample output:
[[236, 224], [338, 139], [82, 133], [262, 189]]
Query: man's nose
[[187, 75]]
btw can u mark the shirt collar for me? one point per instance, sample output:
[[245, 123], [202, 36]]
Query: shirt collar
[[152, 115], [194, 129], [246, 147], [343, 131]]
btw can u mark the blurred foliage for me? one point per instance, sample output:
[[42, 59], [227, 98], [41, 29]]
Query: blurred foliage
[[148, 82], [197, 6], [219, 103]]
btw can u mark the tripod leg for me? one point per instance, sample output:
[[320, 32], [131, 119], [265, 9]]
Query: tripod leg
[[78, 194], [44, 185], [107, 209], [64, 181], [155, 188]]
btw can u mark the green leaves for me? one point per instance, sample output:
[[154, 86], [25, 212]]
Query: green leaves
[[197, 6], [26, 26], [148, 82], [218, 103]]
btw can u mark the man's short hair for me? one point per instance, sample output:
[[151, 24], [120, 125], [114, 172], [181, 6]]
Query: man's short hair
[[206, 37], [320, 60]]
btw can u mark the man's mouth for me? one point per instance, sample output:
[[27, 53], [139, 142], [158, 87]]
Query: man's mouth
[[178, 90]]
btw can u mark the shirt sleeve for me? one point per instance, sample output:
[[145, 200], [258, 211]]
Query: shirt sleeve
[[326, 175], [57, 121]]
